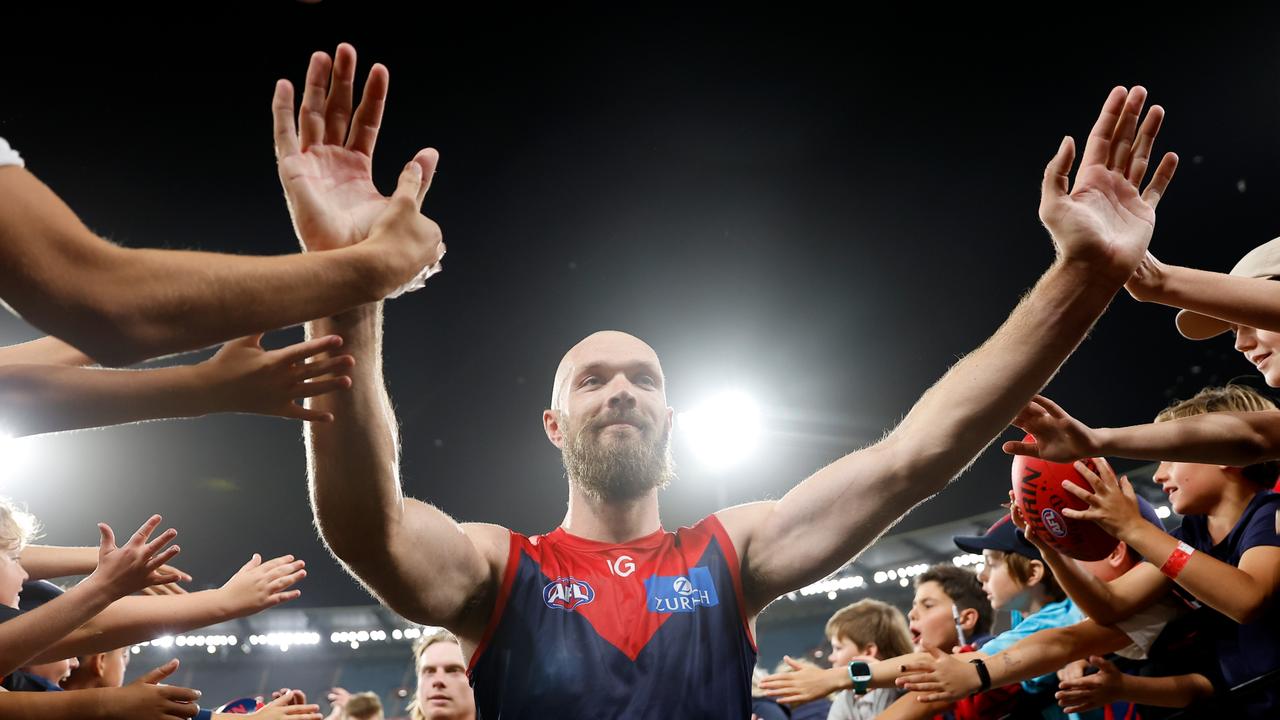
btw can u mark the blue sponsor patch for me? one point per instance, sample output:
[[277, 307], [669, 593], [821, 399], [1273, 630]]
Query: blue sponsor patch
[[567, 593], [680, 593]]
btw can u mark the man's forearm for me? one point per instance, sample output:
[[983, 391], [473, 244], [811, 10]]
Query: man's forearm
[[354, 461], [842, 508], [981, 394]]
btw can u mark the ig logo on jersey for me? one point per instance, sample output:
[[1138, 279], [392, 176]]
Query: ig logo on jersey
[[567, 593], [622, 566]]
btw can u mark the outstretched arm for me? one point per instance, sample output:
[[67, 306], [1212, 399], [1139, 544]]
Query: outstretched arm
[[143, 699], [1086, 693], [241, 377], [1101, 227], [1251, 302], [119, 571], [43, 351], [255, 587], [121, 306], [415, 557], [125, 305], [947, 678], [1219, 438]]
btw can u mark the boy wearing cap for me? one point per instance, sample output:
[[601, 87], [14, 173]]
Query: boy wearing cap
[[1212, 303], [1016, 579], [944, 678]]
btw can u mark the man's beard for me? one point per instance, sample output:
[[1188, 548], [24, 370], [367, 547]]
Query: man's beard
[[621, 470]]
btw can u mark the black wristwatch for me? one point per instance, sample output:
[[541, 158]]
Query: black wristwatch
[[860, 674]]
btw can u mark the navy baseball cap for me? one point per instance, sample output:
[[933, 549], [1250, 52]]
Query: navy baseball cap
[[36, 593], [1003, 536]]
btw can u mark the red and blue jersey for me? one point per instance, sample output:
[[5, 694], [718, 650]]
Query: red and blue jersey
[[651, 628]]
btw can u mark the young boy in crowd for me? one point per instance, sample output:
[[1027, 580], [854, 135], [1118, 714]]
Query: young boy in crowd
[[867, 630], [1014, 578], [1225, 559]]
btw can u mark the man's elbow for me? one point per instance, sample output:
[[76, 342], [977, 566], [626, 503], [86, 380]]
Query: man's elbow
[[356, 546]]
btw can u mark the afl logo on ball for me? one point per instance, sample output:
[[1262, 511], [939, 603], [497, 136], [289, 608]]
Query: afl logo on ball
[[1053, 522]]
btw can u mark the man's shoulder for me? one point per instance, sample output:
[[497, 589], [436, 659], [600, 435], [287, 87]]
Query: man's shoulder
[[492, 541], [740, 522]]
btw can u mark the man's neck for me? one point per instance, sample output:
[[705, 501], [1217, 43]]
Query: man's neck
[[611, 522]]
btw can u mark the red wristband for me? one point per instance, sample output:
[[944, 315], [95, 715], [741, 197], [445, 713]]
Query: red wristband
[[1177, 560]]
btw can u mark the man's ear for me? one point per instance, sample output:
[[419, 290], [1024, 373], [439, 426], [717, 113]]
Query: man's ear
[[553, 425]]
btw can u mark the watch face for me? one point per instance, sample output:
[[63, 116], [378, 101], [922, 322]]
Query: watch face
[[860, 671]]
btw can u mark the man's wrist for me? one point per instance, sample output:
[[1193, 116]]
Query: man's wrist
[[1093, 271]]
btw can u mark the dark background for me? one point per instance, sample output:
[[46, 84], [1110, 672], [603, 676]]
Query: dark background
[[824, 211]]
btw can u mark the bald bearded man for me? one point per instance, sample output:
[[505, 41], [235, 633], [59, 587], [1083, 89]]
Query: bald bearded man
[[610, 614]]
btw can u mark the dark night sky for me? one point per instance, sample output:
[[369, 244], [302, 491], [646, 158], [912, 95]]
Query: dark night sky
[[823, 212]]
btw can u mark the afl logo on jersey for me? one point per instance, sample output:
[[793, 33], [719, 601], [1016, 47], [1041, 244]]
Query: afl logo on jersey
[[567, 593], [1053, 522]]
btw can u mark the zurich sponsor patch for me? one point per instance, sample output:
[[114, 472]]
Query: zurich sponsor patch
[[1053, 522], [680, 593], [567, 593]]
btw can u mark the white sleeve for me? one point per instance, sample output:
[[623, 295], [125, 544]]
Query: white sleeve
[[1145, 626], [9, 156]]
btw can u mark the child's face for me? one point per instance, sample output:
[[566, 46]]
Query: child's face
[[54, 672], [1192, 488], [1259, 347], [11, 577], [932, 625], [843, 650], [116, 662], [1004, 592]]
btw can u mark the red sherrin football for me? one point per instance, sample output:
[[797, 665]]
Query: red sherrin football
[[1037, 490]]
